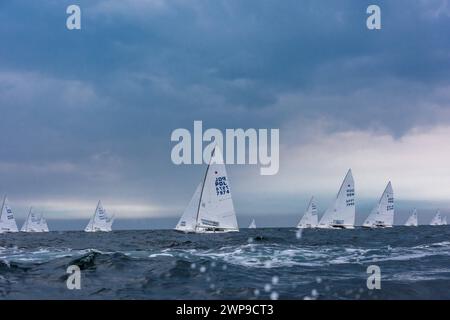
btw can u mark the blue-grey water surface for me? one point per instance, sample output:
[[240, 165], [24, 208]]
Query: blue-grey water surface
[[252, 264]]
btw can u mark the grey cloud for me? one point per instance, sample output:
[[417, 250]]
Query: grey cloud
[[105, 99]]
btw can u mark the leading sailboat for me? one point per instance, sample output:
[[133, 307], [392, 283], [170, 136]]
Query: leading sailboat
[[7, 220], [100, 221], [382, 216], [310, 218], [341, 214], [211, 208]]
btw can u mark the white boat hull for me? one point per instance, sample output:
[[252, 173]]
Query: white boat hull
[[337, 227], [377, 227], [307, 227], [202, 231]]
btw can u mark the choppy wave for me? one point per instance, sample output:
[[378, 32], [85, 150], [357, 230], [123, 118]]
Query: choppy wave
[[261, 263]]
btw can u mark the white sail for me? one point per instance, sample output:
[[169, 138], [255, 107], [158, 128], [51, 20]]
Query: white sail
[[252, 224], [188, 220], [444, 221], [100, 221], [310, 218], [341, 214], [7, 220], [110, 221], [412, 220], [32, 223], [43, 226], [90, 225], [382, 216], [214, 211], [437, 220]]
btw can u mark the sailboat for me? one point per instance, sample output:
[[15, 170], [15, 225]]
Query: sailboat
[[412, 220], [252, 224], [382, 216], [100, 221], [438, 220], [310, 218], [43, 224], [341, 214], [211, 208], [33, 223], [7, 220]]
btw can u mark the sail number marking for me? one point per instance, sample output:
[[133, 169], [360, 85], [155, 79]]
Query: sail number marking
[[222, 187]]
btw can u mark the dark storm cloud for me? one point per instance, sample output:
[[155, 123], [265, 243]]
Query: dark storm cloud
[[96, 107]]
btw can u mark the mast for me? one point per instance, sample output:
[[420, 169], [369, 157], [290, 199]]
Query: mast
[[95, 213], [28, 220], [203, 186], [91, 222], [3, 206]]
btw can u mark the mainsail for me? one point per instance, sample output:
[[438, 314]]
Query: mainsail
[[437, 220], [100, 221], [252, 224], [341, 214], [382, 216], [412, 220], [7, 220], [310, 218], [211, 208]]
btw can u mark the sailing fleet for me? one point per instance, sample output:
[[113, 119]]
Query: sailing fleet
[[341, 213], [100, 221], [211, 209]]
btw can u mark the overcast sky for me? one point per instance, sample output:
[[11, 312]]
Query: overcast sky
[[88, 114]]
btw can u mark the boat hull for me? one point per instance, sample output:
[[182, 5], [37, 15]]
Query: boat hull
[[377, 227], [200, 230], [337, 227]]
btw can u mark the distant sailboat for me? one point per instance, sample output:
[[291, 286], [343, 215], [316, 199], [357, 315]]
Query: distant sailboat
[[412, 220], [341, 214], [43, 224], [438, 220], [310, 218], [252, 224], [34, 223], [100, 221], [7, 220], [382, 216], [211, 208]]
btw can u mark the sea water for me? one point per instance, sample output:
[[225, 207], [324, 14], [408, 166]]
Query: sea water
[[251, 264]]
